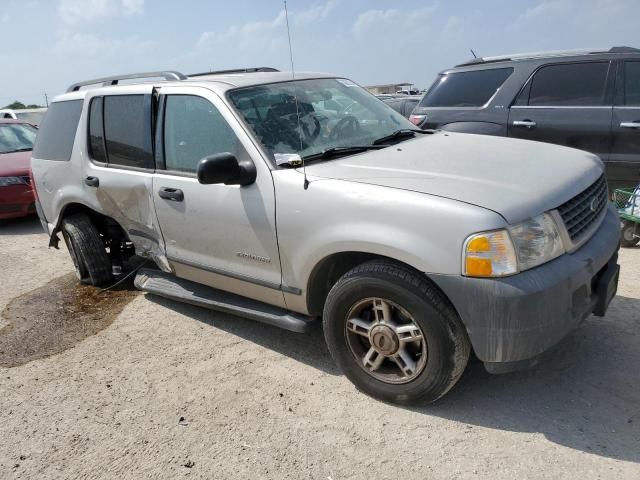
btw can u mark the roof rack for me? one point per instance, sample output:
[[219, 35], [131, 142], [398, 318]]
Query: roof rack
[[235, 70], [557, 53], [167, 75]]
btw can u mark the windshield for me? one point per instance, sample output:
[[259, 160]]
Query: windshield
[[15, 137], [333, 113], [34, 118]]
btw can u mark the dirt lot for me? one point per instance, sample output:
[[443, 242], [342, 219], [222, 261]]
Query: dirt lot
[[139, 387]]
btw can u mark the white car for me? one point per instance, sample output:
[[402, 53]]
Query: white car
[[33, 116]]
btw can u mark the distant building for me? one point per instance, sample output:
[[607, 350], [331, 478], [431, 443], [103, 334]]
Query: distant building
[[390, 88]]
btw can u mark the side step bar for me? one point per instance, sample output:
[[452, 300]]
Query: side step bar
[[170, 286]]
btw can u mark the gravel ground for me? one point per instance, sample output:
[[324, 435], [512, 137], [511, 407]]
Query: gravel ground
[[167, 390]]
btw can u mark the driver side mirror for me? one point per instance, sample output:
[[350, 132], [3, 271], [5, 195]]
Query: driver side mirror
[[226, 168]]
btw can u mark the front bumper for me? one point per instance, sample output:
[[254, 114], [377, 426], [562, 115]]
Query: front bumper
[[514, 319], [16, 201]]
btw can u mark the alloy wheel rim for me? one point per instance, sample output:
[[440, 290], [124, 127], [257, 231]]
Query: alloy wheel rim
[[386, 341]]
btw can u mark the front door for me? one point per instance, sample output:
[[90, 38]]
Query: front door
[[624, 165], [567, 104], [219, 235]]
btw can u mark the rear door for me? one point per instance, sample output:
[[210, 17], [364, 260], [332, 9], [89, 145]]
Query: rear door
[[567, 104], [117, 178], [624, 166]]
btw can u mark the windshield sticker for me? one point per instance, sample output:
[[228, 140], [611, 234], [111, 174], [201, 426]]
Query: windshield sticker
[[288, 159], [346, 83]]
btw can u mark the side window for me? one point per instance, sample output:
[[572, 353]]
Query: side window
[[127, 130], [96, 130], [194, 129], [571, 85], [58, 131], [465, 89], [632, 84]]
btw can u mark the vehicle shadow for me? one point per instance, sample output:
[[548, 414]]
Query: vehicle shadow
[[309, 348], [584, 395], [21, 226]]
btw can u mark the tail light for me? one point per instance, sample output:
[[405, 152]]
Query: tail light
[[417, 119]]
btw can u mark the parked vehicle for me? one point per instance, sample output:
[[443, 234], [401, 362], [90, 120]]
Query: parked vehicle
[[404, 105], [627, 201], [16, 193], [583, 99], [257, 194], [33, 116]]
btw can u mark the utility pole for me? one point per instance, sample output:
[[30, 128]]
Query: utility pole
[[46, 99]]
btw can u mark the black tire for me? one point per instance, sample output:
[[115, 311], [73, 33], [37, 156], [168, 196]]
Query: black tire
[[87, 250], [446, 338], [629, 232]]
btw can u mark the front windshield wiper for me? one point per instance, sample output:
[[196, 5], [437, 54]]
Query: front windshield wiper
[[340, 151], [403, 132]]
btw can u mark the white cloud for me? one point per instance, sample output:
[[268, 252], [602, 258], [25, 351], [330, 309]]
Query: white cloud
[[89, 46], [73, 11]]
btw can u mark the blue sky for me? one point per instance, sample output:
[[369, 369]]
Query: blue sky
[[49, 44]]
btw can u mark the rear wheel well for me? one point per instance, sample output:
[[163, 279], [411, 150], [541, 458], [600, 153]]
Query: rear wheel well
[[110, 231]]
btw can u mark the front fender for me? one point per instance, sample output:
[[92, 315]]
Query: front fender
[[335, 216]]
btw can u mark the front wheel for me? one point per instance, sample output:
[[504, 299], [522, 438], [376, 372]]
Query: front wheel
[[629, 234], [394, 334]]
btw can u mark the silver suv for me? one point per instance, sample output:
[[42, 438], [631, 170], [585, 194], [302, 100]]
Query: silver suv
[[285, 200]]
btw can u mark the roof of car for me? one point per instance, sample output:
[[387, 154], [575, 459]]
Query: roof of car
[[222, 80], [548, 54], [235, 80], [11, 120]]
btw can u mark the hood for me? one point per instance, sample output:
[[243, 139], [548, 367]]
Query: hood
[[15, 164], [515, 178]]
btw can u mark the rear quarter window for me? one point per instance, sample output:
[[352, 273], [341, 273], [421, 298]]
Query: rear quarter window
[[58, 131], [465, 89]]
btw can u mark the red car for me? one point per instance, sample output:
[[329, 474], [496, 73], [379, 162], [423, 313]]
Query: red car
[[17, 198]]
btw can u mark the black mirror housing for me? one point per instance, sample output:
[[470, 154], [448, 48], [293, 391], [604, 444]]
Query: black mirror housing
[[226, 168]]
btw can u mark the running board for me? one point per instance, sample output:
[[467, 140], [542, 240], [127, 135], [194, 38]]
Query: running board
[[170, 286]]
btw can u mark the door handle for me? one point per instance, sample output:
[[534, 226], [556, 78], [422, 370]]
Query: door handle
[[173, 194], [525, 123], [92, 181], [630, 124]]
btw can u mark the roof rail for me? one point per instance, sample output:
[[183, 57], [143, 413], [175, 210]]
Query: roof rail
[[167, 75], [235, 70], [557, 53]]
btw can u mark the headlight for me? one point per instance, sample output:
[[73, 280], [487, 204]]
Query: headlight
[[6, 181], [490, 254], [537, 241], [520, 247]]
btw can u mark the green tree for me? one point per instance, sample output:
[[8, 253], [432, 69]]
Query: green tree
[[19, 105]]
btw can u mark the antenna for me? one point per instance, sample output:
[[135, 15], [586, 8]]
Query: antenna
[[473, 53], [295, 97]]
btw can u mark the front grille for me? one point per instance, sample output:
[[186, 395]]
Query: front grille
[[26, 180], [579, 213]]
